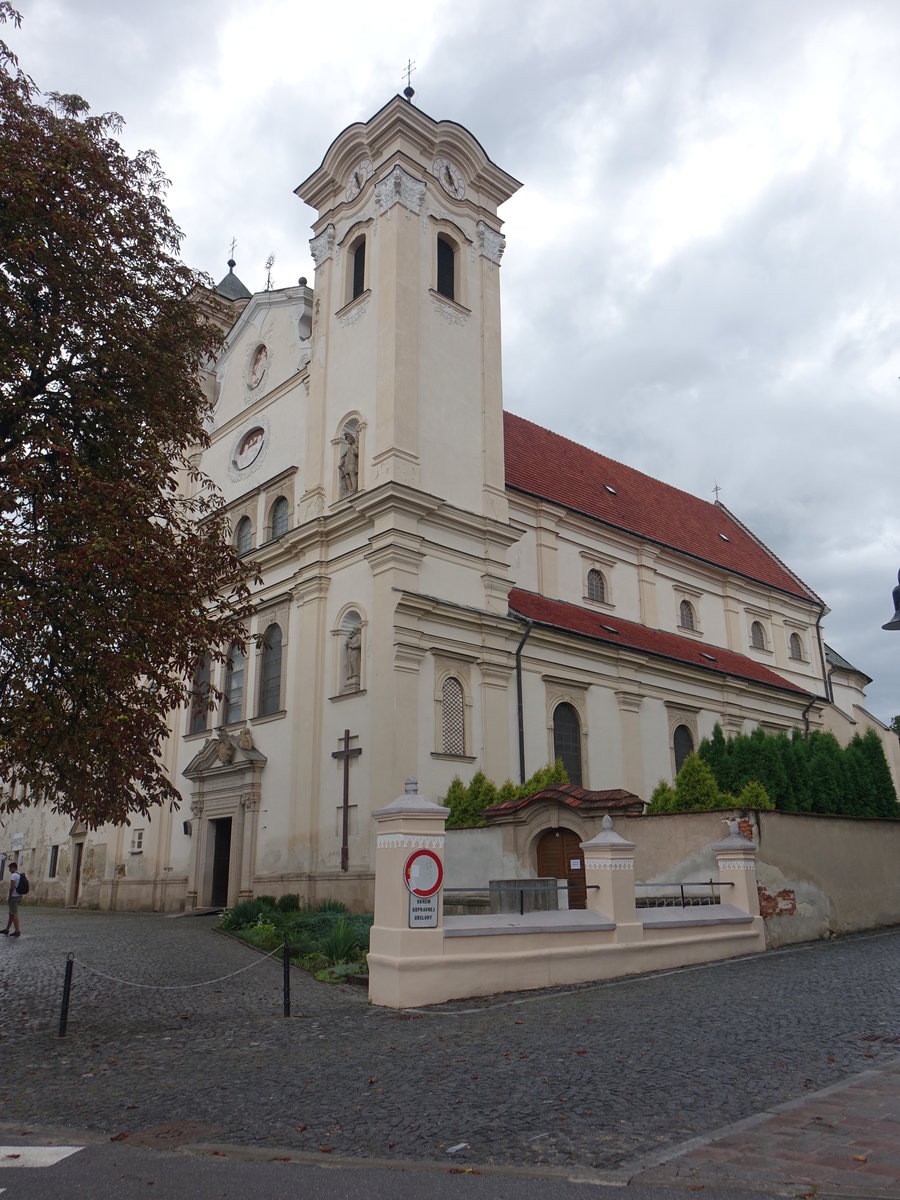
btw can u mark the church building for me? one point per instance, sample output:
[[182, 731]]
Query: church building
[[446, 586]]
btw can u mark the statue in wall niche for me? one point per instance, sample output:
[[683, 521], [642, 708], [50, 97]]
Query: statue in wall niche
[[352, 650], [348, 464]]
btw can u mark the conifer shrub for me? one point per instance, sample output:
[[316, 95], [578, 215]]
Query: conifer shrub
[[806, 774], [467, 802]]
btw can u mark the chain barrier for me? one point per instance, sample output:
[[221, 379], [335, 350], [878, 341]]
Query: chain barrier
[[174, 987]]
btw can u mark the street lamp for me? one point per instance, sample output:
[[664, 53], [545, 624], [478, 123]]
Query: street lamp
[[894, 622]]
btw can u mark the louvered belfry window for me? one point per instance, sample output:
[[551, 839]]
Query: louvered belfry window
[[453, 732]]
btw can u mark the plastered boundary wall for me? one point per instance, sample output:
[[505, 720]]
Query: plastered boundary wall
[[817, 875], [461, 957]]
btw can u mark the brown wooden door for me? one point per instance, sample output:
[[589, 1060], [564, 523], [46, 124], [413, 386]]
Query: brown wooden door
[[559, 854]]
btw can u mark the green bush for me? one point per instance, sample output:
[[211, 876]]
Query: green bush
[[289, 903], [330, 905], [467, 802], [341, 942], [754, 795], [245, 913], [806, 774], [268, 901]]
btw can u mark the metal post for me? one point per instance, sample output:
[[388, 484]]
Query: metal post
[[67, 991], [287, 978]]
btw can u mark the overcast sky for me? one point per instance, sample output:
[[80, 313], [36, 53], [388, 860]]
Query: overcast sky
[[702, 272]]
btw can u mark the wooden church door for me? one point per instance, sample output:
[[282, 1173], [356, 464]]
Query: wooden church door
[[559, 854]]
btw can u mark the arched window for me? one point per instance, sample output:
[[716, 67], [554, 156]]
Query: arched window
[[446, 267], [200, 697], [567, 740], [683, 744], [351, 652], [686, 615], [596, 586], [279, 523], [757, 636], [359, 269], [234, 685], [270, 672], [244, 537], [453, 722], [796, 646]]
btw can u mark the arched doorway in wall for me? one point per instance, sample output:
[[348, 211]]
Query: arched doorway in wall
[[559, 854]]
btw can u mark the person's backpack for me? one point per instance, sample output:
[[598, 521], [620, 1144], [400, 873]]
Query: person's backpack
[[23, 885]]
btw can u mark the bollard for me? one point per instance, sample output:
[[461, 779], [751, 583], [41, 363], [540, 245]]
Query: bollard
[[67, 991], [287, 978]]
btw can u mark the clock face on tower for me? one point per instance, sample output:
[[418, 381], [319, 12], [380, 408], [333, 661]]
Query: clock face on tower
[[359, 176], [449, 177]]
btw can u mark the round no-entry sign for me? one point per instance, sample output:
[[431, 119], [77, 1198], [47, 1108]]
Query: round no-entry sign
[[423, 873]]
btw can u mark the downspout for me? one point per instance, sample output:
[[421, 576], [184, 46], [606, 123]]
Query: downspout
[[529, 625], [826, 675]]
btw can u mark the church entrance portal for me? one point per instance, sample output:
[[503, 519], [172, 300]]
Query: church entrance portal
[[221, 850], [559, 854]]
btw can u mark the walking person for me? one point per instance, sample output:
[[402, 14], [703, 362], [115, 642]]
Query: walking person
[[13, 900]]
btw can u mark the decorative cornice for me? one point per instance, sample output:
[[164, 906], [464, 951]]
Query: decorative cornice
[[322, 247], [451, 313], [409, 841], [609, 864], [399, 188], [737, 864], [491, 243], [354, 311]]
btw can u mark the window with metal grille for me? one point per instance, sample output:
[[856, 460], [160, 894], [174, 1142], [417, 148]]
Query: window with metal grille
[[757, 636], [684, 745], [796, 646], [270, 672], [234, 685], [244, 538], [596, 586], [359, 269], [453, 721], [686, 615], [445, 268], [567, 740], [279, 517], [199, 698]]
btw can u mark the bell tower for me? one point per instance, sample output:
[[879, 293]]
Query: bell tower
[[407, 247]]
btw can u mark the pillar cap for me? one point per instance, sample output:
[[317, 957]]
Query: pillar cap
[[734, 841], [412, 804], [608, 839]]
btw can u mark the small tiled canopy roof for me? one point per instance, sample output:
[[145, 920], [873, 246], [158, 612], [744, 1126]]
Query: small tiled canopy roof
[[628, 634], [550, 467], [578, 799]]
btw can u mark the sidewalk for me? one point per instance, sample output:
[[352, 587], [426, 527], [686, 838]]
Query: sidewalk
[[843, 1141]]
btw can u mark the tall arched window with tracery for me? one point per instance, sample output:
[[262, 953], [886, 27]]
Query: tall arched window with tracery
[[453, 717], [270, 672], [683, 745], [278, 523], [567, 740], [243, 540], [596, 586], [686, 618], [234, 686], [796, 646], [757, 636]]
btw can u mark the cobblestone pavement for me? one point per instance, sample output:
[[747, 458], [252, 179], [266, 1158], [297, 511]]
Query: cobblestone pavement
[[596, 1077]]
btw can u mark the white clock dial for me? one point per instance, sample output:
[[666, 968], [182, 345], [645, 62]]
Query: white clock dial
[[359, 177], [449, 177]]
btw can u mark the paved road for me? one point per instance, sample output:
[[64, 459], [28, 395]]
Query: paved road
[[593, 1079]]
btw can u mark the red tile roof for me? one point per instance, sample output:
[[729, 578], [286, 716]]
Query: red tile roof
[[632, 636], [577, 798], [551, 467]]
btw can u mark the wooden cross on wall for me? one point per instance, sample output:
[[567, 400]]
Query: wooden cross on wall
[[346, 754]]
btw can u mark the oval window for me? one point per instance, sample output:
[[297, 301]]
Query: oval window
[[249, 448]]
